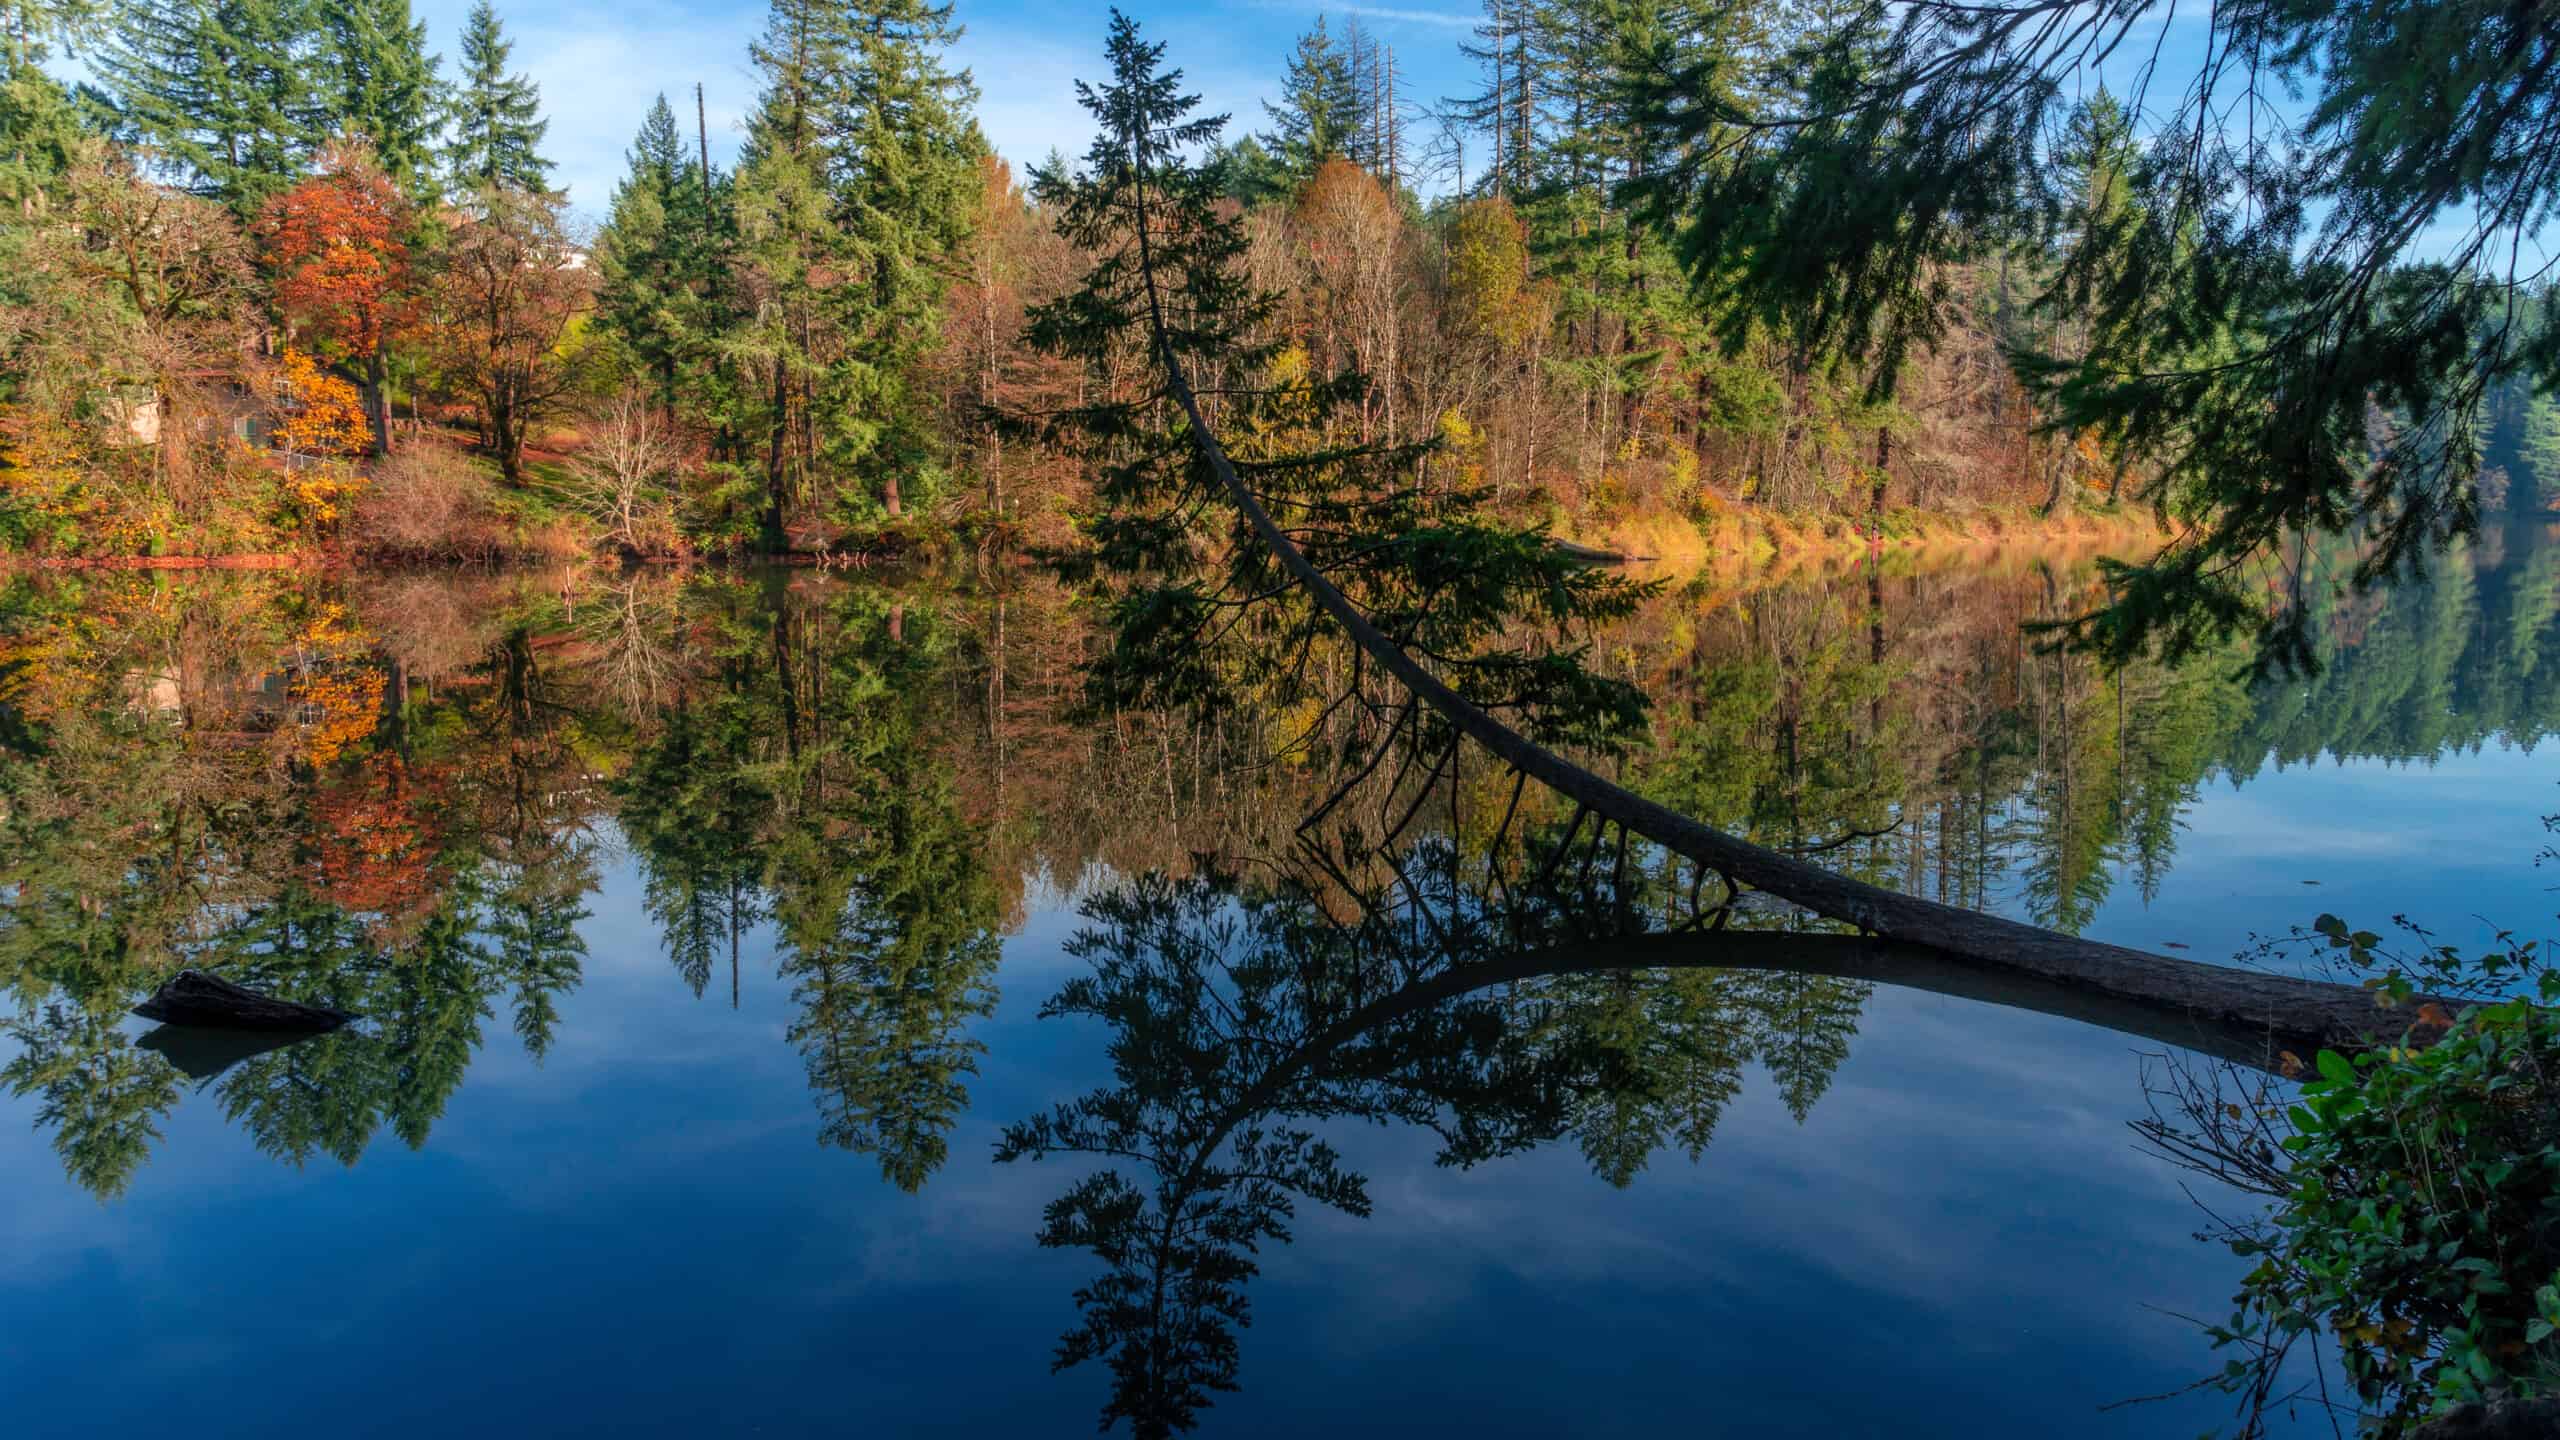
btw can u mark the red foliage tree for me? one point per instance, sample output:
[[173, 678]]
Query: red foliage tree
[[341, 273]]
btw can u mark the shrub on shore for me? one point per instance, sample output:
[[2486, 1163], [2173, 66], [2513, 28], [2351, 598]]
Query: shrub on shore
[[428, 502]]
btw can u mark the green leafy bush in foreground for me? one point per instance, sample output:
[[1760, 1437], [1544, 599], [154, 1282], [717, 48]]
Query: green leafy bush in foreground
[[2419, 1219]]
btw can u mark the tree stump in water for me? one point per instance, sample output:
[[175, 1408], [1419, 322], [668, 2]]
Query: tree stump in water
[[192, 997]]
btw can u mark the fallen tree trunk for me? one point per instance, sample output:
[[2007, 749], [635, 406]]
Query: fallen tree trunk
[[191, 997], [2219, 993]]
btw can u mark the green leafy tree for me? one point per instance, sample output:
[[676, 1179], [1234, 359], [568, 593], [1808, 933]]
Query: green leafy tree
[[854, 196], [1166, 282], [2270, 293], [907, 204], [696, 806], [41, 124], [1254, 174], [886, 912], [644, 253], [2538, 445], [102, 1096]]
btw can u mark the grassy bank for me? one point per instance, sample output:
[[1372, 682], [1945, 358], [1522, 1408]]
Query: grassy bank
[[1738, 541]]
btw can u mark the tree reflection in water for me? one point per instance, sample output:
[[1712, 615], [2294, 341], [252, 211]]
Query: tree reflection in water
[[397, 794], [243, 777], [1249, 1021]]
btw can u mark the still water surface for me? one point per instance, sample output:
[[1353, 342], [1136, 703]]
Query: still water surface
[[703, 927]]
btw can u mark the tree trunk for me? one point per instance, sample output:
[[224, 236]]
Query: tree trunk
[[377, 400], [2310, 1011], [770, 534], [506, 438], [1883, 478]]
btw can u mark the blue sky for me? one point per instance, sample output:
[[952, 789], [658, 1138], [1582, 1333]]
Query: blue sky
[[599, 64]]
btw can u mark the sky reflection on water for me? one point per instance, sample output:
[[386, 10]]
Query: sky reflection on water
[[637, 1235]]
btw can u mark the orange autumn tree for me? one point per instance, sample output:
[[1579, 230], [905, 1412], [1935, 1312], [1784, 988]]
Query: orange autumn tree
[[1354, 238], [341, 273]]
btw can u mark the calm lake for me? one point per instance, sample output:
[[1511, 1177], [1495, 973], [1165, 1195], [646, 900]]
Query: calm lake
[[702, 926]]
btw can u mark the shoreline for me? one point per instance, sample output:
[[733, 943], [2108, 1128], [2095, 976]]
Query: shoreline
[[1733, 542], [1737, 544]]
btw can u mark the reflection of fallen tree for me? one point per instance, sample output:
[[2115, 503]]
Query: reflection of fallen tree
[[2536, 1419], [1240, 1022], [1844, 957], [2219, 997]]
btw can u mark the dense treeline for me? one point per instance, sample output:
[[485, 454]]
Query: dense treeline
[[265, 229], [265, 277], [278, 276]]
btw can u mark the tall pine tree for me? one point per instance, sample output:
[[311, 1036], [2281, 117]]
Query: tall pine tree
[[40, 122], [379, 81], [662, 257], [220, 92], [853, 195], [1319, 111], [496, 117], [907, 203], [2539, 448]]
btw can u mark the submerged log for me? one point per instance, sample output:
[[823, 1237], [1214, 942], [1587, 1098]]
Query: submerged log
[[191, 997], [1591, 554]]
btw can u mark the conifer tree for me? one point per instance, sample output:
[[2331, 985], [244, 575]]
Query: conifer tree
[[379, 81], [906, 204], [496, 117], [2539, 447], [221, 93], [787, 249], [40, 121], [639, 254], [1166, 281], [1319, 113], [2272, 293], [853, 195], [1502, 109]]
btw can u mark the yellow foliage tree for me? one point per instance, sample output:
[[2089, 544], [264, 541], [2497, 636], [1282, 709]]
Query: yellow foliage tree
[[1489, 285], [323, 416]]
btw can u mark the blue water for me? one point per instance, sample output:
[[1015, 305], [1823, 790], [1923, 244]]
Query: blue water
[[640, 1234]]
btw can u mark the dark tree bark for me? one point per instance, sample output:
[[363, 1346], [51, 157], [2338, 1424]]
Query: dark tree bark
[[377, 400]]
